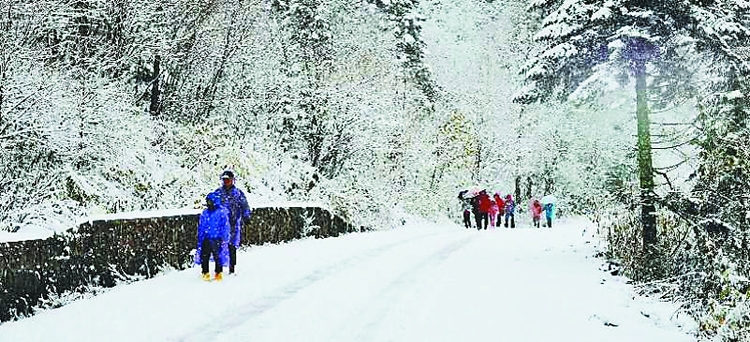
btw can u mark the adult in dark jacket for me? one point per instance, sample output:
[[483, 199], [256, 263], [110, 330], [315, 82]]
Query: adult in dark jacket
[[510, 209], [213, 236], [465, 207], [236, 203]]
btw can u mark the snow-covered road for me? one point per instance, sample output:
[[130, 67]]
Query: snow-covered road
[[416, 283]]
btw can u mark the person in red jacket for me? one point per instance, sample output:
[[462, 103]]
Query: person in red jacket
[[500, 209], [536, 212], [485, 204]]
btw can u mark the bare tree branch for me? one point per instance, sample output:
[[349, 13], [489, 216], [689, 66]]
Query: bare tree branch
[[675, 146], [664, 174], [671, 167]]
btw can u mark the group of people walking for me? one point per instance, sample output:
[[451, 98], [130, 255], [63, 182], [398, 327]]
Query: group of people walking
[[219, 227], [220, 224], [490, 211]]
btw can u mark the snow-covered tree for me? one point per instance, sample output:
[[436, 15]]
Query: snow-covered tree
[[585, 40], [405, 21]]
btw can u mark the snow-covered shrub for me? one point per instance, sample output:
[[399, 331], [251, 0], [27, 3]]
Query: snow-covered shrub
[[56, 300], [622, 229], [727, 318]]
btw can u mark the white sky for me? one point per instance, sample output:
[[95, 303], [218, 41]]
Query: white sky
[[421, 282]]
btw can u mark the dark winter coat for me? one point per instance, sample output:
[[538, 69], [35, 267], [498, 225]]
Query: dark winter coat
[[510, 204], [465, 202], [474, 202]]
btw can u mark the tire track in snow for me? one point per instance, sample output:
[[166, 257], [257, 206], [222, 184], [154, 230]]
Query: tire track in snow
[[243, 312], [375, 311]]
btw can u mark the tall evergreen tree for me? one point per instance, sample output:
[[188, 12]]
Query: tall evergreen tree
[[307, 61], [408, 31], [583, 40], [719, 199]]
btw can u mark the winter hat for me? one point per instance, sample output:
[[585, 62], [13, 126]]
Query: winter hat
[[227, 174], [213, 199]]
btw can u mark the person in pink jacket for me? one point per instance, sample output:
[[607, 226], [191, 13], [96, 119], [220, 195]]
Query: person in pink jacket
[[493, 213], [536, 212]]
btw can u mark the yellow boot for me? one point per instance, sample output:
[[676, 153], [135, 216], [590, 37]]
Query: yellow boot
[[206, 277], [218, 277]]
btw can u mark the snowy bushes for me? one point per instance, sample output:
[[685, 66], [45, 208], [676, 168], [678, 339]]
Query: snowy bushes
[[691, 263], [622, 229], [728, 319], [72, 145], [107, 107]]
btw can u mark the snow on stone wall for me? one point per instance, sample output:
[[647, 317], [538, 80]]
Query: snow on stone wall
[[107, 250]]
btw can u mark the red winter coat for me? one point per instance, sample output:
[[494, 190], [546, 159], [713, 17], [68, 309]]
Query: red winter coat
[[500, 203], [484, 203], [536, 209]]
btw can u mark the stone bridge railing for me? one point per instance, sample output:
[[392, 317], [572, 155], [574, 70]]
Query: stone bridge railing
[[109, 250]]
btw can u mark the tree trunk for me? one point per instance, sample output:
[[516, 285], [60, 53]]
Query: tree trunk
[[529, 185], [2, 90], [645, 166], [549, 185], [154, 108], [477, 163], [437, 170]]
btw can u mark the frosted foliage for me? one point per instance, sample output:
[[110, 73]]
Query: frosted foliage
[[378, 110], [556, 30], [564, 50], [604, 12], [306, 100]]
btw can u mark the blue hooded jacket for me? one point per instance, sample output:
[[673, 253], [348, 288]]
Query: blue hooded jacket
[[510, 205], [213, 224], [549, 210], [234, 200]]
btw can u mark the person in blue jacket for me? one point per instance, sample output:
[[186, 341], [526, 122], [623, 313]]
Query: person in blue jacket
[[549, 213], [510, 209], [236, 203], [213, 236]]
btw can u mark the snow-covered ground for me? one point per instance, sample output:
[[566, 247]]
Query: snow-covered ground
[[416, 283], [27, 233]]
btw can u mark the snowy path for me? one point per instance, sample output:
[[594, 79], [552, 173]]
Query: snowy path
[[409, 284]]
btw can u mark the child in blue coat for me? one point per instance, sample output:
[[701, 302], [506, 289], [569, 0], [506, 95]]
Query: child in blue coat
[[213, 236]]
